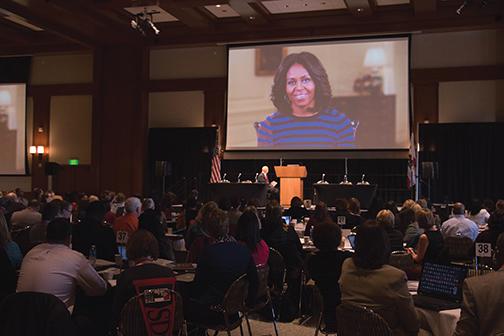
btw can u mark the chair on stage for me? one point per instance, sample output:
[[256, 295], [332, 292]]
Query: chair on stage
[[232, 308], [354, 320], [263, 298]]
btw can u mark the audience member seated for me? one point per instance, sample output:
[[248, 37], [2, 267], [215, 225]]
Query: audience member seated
[[405, 216], [324, 267], [116, 208], [320, 216], [385, 219], [343, 217], [54, 209], [477, 213], [459, 225], [248, 233], [219, 265], [233, 213], [483, 297], [93, 231], [8, 245], [27, 217], [413, 231], [8, 276], [495, 228], [129, 222], [430, 243], [354, 206], [366, 280], [56, 269], [297, 210], [151, 221], [142, 249], [194, 230]]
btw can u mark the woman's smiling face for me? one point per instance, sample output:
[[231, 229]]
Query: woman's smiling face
[[300, 89]]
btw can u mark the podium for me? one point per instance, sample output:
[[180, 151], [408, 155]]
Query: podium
[[290, 182]]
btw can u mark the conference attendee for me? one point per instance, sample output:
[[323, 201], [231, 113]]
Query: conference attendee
[[248, 233], [142, 250], [116, 208], [386, 220], [430, 243], [151, 220], [413, 231], [302, 95], [195, 230], [8, 245], [354, 206], [129, 222], [459, 225], [296, 210], [219, 265], [477, 213], [92, 230], [263, 176], [495, 228], [366, 280], [234, 215], [27, 217], [51, 210], [8, 278], [148, 204], [56, 269], [343, 217], [483, 297], [320, 216], [324, 267]]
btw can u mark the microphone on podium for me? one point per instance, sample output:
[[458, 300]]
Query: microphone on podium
[[224, 178], [323, 181], [238, 178]]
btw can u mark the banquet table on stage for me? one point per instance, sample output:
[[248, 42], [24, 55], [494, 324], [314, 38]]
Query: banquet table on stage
[[330, 192], [247, 191]]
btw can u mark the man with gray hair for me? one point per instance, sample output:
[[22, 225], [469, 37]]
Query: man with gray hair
[[459, 225], [129, 222]]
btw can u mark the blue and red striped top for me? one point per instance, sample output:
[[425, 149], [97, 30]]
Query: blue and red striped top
[[324, 130]]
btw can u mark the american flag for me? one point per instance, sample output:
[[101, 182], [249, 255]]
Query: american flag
[[412, 163], [215, 175]]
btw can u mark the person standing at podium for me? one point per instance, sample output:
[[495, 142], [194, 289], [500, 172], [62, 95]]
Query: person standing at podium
[[273, 192], [263, 176]]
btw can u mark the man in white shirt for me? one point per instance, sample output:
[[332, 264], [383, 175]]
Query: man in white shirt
[[459, 225], [56, 269], [27, 217]]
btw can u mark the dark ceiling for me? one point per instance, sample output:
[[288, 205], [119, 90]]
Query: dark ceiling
[[86, 24]]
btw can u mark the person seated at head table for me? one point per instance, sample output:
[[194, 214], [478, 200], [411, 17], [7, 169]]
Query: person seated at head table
[[296, 210], [93, 231], [324, 267], [386, 220], [248, 233], [366, 280], [56, 269], [219, 265], [483, 297], [142, 249], [430, 243], [320, 216]]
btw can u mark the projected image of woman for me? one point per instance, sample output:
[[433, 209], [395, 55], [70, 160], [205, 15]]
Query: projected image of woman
[[304, 118]]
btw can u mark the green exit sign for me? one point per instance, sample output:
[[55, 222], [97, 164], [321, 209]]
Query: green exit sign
[[73, 162]]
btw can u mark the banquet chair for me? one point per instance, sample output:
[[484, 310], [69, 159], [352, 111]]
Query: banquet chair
[[31, 313], [134, 322], [263, 298], [458, 249], [401, 260], [354, 320], [232, 308], [277, 272]]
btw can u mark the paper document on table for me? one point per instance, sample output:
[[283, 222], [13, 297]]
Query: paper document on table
[[273, 184]]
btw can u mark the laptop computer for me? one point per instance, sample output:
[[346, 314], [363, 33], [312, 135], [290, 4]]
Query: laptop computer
[[440, 287]]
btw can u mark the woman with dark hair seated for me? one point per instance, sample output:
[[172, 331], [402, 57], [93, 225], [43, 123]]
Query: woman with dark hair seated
[[296, 210], [194, 229], [93, 231], [430, 243], [142, 249], [219, 265], [343, 217], [320, 216], [324, 267], [366, 280], [151, 220], [248, 233]]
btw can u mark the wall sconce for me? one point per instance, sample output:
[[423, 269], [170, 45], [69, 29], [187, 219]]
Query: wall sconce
[[39, 150]]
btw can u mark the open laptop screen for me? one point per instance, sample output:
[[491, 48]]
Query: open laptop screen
[[442, 281]]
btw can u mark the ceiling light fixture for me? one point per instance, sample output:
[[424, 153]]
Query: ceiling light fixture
[[143, 22]]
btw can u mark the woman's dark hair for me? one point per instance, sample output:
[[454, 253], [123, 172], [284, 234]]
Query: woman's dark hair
[[372, 246], [296, 202], [327, 236], [354, 205], [96, 211], [321, 213], [341, 204], [248, 229], [496, 222], [58, 230], [318, 74], [214, 221], [272, 217], [425, 219], [142, 244], [52, 210], [404, 218], [475, 206]]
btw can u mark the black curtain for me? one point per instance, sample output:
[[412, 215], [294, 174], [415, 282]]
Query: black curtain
[[467, 160]]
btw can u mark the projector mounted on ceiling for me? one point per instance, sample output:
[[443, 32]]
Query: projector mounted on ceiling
[[143, 22]]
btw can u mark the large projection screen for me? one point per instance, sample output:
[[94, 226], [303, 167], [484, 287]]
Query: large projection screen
[[339, 94], [12, 129]]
